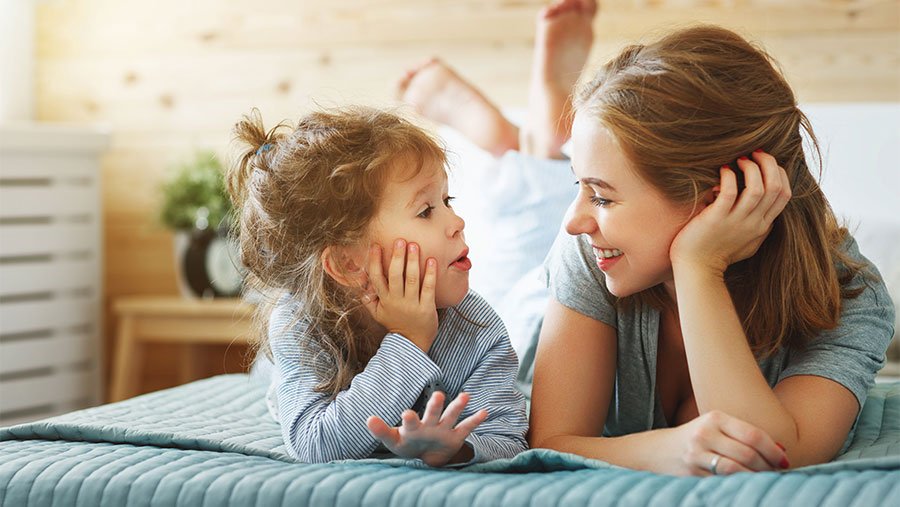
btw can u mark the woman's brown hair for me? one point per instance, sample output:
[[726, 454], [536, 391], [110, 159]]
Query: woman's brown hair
[[695, 100], [300, 190]]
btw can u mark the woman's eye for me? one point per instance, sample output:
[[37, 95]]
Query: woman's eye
[[599, 201], [448, 200], [425, 212]]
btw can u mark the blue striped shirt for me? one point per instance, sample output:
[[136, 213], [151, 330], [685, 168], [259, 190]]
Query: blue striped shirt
[[473, 358]]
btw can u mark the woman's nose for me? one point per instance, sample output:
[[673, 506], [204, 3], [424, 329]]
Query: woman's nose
[[577, 220]]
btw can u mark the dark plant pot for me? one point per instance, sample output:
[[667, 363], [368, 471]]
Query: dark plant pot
[[207, 264]]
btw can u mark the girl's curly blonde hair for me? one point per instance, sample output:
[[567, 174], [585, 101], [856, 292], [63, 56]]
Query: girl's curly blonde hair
[[300, 190]]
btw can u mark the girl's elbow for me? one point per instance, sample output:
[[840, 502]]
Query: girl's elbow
[[308, 453], [309, 447]]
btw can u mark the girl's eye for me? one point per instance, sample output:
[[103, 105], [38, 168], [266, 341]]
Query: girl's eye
[[448, 200], [599, 201], [425, 212]]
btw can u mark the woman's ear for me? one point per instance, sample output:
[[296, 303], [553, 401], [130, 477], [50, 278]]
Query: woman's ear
[[342, 267], [711, 195]]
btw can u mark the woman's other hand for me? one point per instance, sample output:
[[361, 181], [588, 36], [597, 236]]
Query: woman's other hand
[[716, 443], [733, 226], [401, 302], [436, 439]]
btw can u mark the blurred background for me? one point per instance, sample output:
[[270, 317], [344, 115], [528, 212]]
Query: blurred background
[[158, 81]]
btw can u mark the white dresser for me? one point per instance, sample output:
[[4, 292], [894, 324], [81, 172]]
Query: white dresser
[[51, 254]]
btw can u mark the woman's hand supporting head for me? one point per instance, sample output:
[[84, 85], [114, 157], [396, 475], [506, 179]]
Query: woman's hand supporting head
[[734, 224]]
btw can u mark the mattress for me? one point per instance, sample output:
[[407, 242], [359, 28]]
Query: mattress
[[213, 443]]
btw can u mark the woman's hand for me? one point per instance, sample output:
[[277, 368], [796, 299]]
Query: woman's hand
[[401, 303], [732, 227], [716, 443], [433, 439]]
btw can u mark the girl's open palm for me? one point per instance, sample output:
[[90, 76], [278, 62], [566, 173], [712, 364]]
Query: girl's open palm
[[733, 227], [434, 439], [403, 303]]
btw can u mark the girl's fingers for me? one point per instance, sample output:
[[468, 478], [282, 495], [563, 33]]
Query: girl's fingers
[[370, 302], [758, 440], [470, 423], [395, 270], [412, 272], [382, 431], [429, 283], [409, 421], [455, 409], [376, 275], [432, 415]]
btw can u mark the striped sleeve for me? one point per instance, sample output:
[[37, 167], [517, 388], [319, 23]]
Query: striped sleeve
[[317, 429], [491, 386], [471, 354]]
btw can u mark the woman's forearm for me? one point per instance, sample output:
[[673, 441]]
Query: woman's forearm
[[724, 373], [639, 451]]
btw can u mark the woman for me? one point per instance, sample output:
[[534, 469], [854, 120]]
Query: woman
[[707, 314]]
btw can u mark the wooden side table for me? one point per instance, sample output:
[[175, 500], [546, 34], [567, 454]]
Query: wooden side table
[[172, 319]]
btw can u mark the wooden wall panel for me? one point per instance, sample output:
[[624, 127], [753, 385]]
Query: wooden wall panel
[[171, 77]]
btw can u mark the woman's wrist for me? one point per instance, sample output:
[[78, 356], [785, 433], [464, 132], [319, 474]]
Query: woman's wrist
[[709, 270]]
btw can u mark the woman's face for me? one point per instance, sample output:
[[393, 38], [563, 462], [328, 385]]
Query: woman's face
[[630, 224]]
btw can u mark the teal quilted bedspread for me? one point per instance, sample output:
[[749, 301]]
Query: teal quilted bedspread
[[212, 443]]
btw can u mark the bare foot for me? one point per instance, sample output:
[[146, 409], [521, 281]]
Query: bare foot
[[562, 43], [441, 95]]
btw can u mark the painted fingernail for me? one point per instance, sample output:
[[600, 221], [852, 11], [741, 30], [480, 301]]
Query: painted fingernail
[[779, 446], [784, 463], [758, 150], [743, 158], [726, 167]]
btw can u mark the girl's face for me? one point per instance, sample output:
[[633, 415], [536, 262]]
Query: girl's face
[[630, 224], [418, 210]]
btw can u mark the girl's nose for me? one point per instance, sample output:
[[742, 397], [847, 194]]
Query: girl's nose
[[577, 220], [457, 224]]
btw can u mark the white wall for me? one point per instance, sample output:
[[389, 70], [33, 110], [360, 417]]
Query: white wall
[[16, 60]]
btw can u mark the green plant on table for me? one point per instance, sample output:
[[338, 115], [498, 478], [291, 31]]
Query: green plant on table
[[194, 195]]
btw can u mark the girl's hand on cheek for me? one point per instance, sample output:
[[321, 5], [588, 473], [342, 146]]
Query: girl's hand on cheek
[[403, 304], [436, 439], [732, 445], [733, 226]]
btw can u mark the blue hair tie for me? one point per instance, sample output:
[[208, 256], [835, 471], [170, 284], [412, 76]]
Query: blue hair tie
[[265, 147]]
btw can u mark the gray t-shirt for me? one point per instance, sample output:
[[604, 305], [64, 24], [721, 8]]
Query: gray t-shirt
[[851, 354]]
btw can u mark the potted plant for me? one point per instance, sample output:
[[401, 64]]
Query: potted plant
[[196, 207]]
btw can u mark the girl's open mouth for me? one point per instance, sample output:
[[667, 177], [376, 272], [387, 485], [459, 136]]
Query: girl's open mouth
[[463, 263]]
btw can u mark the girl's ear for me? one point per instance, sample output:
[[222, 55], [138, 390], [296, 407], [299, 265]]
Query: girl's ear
[[342, 267]]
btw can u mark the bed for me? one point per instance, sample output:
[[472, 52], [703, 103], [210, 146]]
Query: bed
[[212, 443]]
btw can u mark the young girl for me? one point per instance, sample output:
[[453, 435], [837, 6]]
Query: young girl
[[708, 314], [348, 217]]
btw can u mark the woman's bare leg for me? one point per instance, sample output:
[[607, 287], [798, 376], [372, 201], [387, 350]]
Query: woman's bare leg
[[441, 95], [563, 39]]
